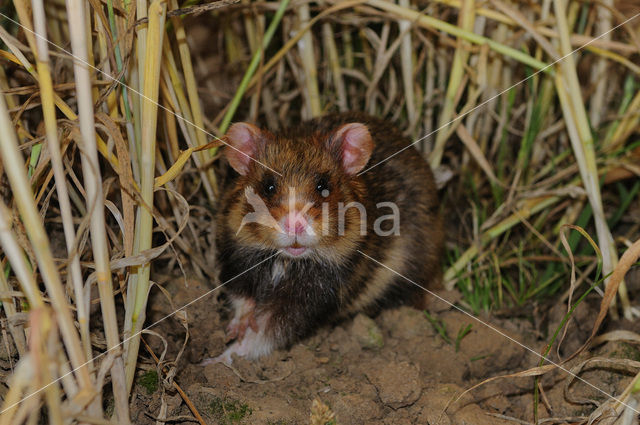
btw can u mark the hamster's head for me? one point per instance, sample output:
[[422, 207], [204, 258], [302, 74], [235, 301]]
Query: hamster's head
[[298, 192]]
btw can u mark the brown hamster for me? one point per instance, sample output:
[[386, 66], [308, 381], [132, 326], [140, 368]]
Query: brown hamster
[[296, 212]]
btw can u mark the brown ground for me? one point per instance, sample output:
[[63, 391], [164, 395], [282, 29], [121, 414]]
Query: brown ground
[[393, 369]]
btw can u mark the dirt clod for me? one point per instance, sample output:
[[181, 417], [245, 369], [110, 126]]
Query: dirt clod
[[398, 384], [356, 409], [366, 332]]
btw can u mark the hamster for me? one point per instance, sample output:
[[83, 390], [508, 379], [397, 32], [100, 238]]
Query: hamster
[[299, 216]]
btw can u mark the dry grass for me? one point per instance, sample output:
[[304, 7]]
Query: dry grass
[[549, 138]]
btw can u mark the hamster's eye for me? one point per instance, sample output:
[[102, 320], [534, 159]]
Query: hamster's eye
[[322, 186], [269, 186]]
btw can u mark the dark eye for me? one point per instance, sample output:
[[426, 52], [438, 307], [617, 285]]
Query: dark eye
[[322, 186], [269, 186]]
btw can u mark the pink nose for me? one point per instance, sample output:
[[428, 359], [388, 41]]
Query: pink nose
[[295, 223]]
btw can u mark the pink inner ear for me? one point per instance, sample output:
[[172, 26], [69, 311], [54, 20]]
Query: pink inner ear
[[243, 139], [356, 146]]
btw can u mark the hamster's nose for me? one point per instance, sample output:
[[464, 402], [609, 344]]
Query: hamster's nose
[[295, 223]]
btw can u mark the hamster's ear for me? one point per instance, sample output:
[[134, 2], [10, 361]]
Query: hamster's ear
[[244, 140], [354, 143]]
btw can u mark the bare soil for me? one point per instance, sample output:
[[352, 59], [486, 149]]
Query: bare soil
[[395, 368]]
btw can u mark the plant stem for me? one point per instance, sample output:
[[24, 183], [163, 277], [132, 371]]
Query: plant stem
[[138, 292], [95, 197], [253, 65]]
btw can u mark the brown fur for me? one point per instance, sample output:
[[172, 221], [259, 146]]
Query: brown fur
[[336, 280]]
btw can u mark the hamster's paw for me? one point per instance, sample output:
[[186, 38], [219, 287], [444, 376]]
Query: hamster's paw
[[237, 328], [243, 319], [254, 343], [213, 360], [222, 358]]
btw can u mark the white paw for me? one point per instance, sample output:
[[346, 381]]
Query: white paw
[[243, 318], [254, 344]]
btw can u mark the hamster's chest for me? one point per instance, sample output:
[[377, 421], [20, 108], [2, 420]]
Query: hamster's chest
[[298, 280]]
